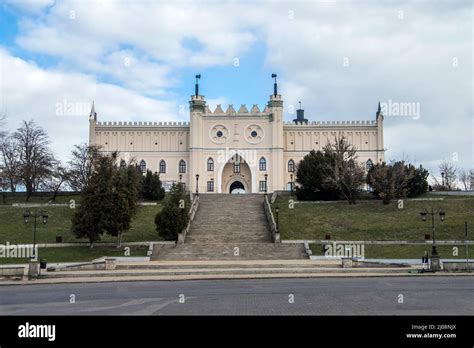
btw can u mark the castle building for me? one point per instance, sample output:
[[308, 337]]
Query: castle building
[[232, 151]]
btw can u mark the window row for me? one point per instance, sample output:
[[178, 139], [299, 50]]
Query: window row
[[161, 167], [262, 165]]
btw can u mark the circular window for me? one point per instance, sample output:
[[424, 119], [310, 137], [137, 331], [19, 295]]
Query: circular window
[[254, 133], [219, 134]]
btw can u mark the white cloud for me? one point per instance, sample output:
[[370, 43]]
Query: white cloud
[[397, 51], [60, 102]]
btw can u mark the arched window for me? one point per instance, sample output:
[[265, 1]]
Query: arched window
[[291, 166], [182, 166], [162, 166], [262, 164], [143, 166], [123, 164], [369, 165], [210, 164]]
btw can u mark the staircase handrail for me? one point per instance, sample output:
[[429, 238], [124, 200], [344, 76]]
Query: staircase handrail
[[192, 212], [271, 221]]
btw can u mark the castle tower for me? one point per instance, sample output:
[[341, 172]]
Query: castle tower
[[92, 124], [197, 107], [379, 120], [276, 181]]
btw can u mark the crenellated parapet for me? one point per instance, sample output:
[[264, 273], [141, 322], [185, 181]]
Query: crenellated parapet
[[230, 111], [331, 123], [142, 124]]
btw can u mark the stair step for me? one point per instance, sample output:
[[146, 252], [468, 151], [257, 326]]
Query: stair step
[[224, 222], [223, 271]]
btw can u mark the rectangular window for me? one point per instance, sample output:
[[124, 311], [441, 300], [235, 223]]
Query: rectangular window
[[210, 186], [237, 167], [263, 186]]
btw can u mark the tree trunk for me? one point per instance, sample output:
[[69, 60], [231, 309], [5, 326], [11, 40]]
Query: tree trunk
[[54, 195], [91, 245]]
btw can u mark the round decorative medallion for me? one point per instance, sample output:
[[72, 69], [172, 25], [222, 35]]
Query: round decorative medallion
[[219, 134], [254, 133]]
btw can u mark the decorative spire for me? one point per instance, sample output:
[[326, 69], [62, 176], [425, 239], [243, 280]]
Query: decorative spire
[[379, 113], [93, 114]]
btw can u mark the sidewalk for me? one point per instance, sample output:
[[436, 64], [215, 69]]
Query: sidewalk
[[205, 270]]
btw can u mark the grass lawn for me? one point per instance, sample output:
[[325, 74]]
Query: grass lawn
[[79, 253], [371, 220], [14, 230], [406, 251]]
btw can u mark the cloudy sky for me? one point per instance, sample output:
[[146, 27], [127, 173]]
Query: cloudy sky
[[137, 61]]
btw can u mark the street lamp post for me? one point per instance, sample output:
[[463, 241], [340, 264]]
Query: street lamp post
[[442, 179], [26, 217], [435, 263], [291, 184], [197, 184], [277, 210], [266, 181]]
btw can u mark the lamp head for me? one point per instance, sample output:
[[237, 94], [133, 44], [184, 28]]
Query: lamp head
[[442, 215], [26, 216], [45, 218], [423, 215]]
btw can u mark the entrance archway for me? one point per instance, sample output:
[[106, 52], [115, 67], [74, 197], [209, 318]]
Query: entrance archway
[[228, 172], [237, 187]]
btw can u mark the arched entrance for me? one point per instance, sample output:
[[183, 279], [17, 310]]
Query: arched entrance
[[237, 187], [236, 168]]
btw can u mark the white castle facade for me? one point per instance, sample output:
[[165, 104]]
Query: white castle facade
[[230, 151]]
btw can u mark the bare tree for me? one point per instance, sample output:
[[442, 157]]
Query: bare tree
[[448, 175], [3, 132], [36, 158], [10, 161], [59, 176], [348, 175], [81, 166], [465, 178]]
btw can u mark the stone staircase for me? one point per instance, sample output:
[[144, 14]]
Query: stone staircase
[[229, 227]]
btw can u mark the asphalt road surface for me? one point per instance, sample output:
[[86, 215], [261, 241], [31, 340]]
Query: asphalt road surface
[[317, 296]]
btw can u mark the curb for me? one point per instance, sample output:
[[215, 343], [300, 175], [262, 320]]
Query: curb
[[113, 279]]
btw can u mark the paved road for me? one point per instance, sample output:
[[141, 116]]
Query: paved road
[[321, 296]]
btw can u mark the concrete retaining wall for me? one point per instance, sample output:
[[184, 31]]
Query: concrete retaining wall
[[12, 271], [101, 265], [454, 266]]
